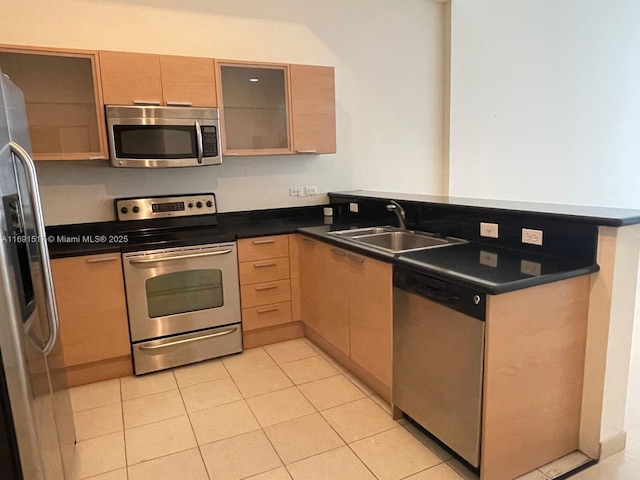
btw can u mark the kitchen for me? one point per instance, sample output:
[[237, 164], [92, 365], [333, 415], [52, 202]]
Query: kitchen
[[367, 96]]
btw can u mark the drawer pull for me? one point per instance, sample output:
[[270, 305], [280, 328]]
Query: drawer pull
[[340, 253], [101, 259], [266, 287], [267, 310], [264, 264], [308, 241], [306, 151], [264, 242], [355, 258]]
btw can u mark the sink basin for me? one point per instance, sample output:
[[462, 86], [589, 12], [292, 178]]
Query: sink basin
[[401, 241], [395, 240]]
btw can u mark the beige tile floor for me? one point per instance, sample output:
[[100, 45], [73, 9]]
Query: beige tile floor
[[281, 412]]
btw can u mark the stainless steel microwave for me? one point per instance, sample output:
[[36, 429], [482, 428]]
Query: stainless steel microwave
[[145, 136]]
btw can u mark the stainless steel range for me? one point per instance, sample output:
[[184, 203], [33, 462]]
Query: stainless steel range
[[181, 280]]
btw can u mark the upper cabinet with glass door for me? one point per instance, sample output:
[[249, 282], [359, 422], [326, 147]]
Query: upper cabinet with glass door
[[254, 101], [271, 109], [63, 100], [142, 78]]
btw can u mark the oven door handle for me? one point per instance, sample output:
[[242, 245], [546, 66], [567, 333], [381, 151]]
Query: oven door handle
[[179, 257], [188, 340]]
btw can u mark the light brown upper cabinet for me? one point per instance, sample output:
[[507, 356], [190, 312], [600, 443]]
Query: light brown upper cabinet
[[272, 109], [130, 78], [63, 100], [313, 109], [254, 100]]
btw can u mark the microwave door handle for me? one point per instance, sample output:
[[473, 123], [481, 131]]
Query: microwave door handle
[[199, 140], [34, 195]]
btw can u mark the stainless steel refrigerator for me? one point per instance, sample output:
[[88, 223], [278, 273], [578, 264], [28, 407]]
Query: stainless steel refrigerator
[[37, 435]]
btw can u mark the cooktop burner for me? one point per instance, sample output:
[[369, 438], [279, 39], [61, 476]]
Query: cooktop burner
[[170, 221]]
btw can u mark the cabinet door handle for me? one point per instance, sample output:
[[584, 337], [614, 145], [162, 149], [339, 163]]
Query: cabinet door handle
[[179, 104], [308, 241], [266, 287], [306, 151], [146, 102], [264, 264], [355, 258], [267, 310], [340, 253], [101, 259], [264, 242]]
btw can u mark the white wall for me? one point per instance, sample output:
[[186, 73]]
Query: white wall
[[545, 101], [389, 82]]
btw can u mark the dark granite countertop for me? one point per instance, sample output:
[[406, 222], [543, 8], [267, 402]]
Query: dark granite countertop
[[83, 239], [609, 216], [488, 269]]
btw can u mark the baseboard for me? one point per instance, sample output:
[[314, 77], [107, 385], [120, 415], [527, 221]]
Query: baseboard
[[269, 335], [613, 445]]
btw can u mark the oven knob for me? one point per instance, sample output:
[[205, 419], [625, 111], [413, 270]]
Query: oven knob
[[190, 205], [209, 204], [124, 210], [199, 204], [136, 209]]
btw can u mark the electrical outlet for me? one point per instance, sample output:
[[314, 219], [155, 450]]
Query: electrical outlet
[[295, 191], [313, 190], [534, 237], [353, 207], [489, 230]]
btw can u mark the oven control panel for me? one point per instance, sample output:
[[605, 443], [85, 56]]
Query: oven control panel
[[163, 207]]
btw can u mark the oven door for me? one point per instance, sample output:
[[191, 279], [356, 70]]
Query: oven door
[[180, 290]]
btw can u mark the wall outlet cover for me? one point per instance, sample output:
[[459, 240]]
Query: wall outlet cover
[[489, 230], [353, 207], [531, 236]]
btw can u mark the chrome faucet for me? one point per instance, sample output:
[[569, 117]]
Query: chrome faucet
[[399, 211]]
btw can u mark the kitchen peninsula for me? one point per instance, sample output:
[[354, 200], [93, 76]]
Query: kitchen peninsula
[[588, 256]]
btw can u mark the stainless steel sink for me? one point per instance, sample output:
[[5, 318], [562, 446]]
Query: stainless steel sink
[[395, 240]]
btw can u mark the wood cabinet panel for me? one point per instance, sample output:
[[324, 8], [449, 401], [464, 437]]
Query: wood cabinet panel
[[534, 367], [63, 99], [92, 308], [263, 248], [325, 298], [130, 77], [264, 270], [188, 80], [266, 316], [313, 109], [265, 293], [371, 316]]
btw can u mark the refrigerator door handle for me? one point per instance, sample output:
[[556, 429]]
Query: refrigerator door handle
[[34, 195]]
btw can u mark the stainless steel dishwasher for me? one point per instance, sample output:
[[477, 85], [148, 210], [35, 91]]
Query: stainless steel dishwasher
[[438, 350]]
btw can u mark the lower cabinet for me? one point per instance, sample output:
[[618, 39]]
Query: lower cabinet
[[347, 307], [94, 329], [266, 290]]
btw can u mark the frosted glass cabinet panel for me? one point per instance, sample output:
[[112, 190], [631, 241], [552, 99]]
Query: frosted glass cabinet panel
[[255, 109], [63, 100]]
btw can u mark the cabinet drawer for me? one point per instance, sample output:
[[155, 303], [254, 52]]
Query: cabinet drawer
[[263, 248], [264, 271], [265, 293], [266, 316]]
